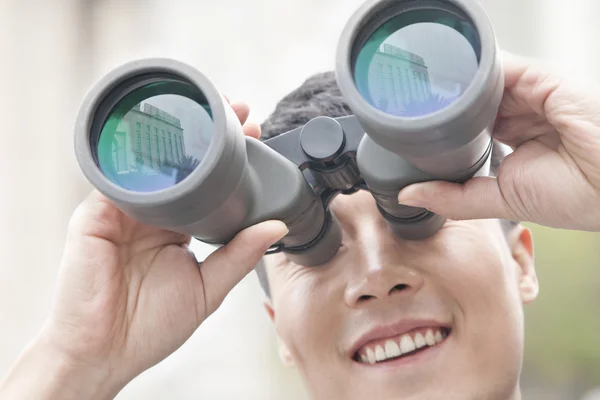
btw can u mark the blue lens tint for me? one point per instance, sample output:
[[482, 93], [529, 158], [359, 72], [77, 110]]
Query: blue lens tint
[[152, 142], [417, 63]]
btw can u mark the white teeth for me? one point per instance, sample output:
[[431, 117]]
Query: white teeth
[[371, 356], [429, 338], [392, 349], [420, 341], [406, 344]]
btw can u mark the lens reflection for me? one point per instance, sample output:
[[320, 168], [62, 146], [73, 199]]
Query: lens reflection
[[417, 63], [156, 143]]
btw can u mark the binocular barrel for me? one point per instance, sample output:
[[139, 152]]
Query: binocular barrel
[[422, 78]]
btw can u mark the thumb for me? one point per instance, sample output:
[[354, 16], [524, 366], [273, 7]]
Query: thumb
[[228, 265], [478, 198]]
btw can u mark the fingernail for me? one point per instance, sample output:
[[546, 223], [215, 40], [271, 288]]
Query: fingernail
[[279, 229], [409, 202], [407, 197]]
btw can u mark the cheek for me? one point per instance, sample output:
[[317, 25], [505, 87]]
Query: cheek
[[307, 318], [483, 287], [486, 290], [479, 272], [481, 280]]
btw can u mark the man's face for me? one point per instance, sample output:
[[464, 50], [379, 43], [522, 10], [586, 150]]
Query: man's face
[[395, 319]]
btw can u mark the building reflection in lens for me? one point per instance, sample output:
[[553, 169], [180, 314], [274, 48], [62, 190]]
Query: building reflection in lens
[[149, 150], [420, 69]]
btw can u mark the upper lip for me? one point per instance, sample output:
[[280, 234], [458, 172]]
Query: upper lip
[[388, 331]]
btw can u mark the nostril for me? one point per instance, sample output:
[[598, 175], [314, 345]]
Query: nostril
[[365, 297], [398, 288]]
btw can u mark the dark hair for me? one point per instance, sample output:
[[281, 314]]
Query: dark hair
[[318, 96]]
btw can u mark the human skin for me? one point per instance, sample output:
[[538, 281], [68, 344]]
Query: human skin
[[468, 278], [120, 282], [128, 296], [553, 176], [460, 277]]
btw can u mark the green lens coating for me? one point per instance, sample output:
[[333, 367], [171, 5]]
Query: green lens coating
[[153, 138], [418, 62]]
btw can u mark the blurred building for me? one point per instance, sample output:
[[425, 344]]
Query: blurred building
[[399, 78], [147, 137]]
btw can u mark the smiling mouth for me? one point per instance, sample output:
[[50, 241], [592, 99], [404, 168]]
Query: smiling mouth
[[401, 346]]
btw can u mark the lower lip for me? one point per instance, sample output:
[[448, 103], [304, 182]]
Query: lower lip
[[419, 357]]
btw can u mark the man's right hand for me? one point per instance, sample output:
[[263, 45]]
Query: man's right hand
[[129, 295], [553, 176]]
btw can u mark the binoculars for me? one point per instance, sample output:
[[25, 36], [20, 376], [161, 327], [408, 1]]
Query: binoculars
[[423, 81]]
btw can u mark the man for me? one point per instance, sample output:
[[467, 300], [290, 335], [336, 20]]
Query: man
[[386, 318], [393, 319]]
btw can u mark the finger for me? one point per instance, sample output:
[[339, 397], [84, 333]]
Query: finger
[[97, 216], [478, 198], [514, 67], [570, 107], [242, 111], [252, 129], [514, 131], [529, 85], [227, 266]]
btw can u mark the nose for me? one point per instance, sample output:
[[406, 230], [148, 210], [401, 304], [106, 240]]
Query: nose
[[381, 280]]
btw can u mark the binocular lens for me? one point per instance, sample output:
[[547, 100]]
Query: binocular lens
[[155, 137], [418, 62]]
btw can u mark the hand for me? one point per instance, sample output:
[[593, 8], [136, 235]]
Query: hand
[[553, 175], [130, 294]]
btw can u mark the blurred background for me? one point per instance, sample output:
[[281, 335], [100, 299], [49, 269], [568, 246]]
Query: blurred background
[[256, 51]]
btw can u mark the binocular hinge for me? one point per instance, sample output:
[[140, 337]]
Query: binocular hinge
[[342, 178]]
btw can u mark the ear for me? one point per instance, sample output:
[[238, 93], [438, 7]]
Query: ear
[[284, 353], [521, 243]]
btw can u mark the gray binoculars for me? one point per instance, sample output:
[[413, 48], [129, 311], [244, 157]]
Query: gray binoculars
[[422, 78]]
